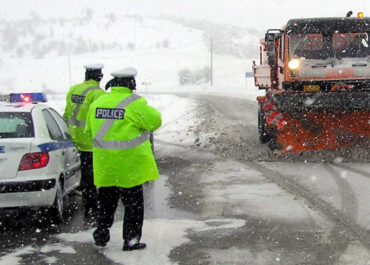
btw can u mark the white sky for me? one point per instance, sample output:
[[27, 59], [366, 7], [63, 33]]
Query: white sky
[[248, 13]]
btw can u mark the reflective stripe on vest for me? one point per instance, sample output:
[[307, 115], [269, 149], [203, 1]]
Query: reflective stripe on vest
[[104, 128], [73, 120]]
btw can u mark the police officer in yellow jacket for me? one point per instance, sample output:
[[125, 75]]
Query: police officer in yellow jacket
[[78, 102], [120, 124]]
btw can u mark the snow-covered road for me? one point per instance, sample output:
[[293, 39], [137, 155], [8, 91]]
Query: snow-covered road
[[222, 199], [314, 204]]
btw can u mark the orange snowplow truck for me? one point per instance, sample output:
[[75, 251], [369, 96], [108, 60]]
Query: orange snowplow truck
[[316, 73]]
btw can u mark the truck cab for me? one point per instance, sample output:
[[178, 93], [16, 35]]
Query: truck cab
[[315, 55], [316, 73]]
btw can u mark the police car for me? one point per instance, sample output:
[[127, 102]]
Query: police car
[[39, 166]]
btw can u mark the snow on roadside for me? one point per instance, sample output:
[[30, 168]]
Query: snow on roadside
[[161, 235], [177, 115]]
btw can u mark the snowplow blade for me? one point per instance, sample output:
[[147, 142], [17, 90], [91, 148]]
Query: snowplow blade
[[299, 121], [320, 130], [323, 120]]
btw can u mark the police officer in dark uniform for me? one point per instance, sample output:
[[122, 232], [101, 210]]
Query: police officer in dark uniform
[[78, 102], [120, 124]]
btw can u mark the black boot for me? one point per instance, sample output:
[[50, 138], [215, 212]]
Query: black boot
[[137, 246], [101, 237], [90, 218]]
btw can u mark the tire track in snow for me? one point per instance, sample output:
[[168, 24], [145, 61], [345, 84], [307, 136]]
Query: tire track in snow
[[349, 205], [354, 170], [345, 219], [346, 227]]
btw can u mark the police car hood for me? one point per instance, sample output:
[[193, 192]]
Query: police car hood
[[11, 153]]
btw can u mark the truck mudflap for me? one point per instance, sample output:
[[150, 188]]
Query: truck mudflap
[[341, 101], [320, 130]]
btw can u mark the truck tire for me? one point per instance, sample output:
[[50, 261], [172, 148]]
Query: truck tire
[[272, 144], [264, 134]]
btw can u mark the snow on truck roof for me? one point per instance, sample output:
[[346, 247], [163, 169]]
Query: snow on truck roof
[[328, 25]]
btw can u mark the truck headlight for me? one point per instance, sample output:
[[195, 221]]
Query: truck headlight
[[294, 64]]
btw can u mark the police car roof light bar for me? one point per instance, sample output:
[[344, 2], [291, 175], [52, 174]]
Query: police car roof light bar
[[27, 97]]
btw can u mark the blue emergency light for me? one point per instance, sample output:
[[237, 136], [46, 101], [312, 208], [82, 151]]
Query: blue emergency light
[[27, 97]]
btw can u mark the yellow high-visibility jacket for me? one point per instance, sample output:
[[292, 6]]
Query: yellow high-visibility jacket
[[78, 102], [119, 124]]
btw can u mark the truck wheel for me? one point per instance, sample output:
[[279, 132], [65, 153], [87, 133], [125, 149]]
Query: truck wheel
[[264, 135], [272, 142], [56, 211]]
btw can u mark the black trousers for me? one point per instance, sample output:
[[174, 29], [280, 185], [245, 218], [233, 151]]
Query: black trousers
[[89, 192], [133, 201]]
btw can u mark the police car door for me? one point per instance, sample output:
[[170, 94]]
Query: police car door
[[72, 155], [58, 152]]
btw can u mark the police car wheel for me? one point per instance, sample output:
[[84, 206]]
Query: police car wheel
[[57, 209]]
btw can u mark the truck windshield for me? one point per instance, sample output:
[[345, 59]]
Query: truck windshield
[[16, 125], [336, 45]]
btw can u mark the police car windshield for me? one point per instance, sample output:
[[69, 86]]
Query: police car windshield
[[16, 125]]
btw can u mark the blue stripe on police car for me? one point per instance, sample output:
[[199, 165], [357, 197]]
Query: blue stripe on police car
[[2, 149], [53, 146], [106, 113]]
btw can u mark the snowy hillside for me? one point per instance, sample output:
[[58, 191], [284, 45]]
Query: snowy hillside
[[46, 43], [47, 54]]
